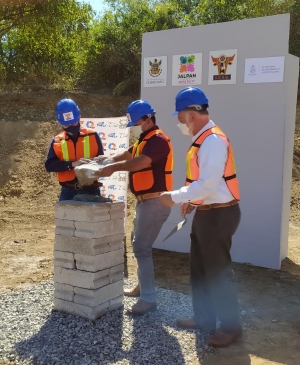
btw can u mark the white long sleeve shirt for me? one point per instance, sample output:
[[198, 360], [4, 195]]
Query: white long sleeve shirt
[[211, 187]]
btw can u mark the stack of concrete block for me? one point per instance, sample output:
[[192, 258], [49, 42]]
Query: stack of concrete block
[[88, 257]]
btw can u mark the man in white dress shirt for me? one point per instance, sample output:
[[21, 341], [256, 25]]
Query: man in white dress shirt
[[211, 188]]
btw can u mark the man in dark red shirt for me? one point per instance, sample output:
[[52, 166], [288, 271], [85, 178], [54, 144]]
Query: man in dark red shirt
[[150, 163]]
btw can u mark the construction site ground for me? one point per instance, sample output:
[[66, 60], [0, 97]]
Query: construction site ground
[[269, 298]]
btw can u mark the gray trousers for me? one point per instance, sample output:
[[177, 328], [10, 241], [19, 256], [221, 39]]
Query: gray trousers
[[212, 279], [150, 215]]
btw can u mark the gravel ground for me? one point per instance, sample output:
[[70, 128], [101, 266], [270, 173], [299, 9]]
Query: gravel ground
[[30, 333]]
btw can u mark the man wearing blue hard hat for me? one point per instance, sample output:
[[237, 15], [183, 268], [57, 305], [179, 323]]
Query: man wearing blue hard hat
[[150, 164], [211, 188], [74, 146]]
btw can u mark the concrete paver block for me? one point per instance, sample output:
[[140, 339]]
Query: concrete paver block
[[64, 223], [81, 310], [84, 246], [91, 293], [116, 277], [64, 263], [63, 287], [92, 230], [101, 295], [64, 295], [116, 303], [78, 278], [115, 269], [62, 255], [85, 211], [99, 262], [65, 231]]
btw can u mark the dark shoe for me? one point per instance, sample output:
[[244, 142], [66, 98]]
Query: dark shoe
[[191, 324], [133, 292], [142, 307], [221, 339]]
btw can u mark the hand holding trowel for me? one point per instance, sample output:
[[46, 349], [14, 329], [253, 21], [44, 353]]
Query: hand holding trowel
[[185, 209]]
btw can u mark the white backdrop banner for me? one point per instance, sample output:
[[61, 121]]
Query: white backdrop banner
[[115, 138]]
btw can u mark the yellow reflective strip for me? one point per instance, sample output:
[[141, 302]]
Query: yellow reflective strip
[[137, 152], [86, 147], [134, 148], [139, 148], [188, 164], [64, 149]]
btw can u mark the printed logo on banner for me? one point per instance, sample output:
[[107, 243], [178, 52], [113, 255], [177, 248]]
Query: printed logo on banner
[[102, 135], [112, 146], [112, 124], [111, 196], [222, 62], [114, 137], [252, 70], [187, 69], [155, 69], [222, 67], [187, 66], [90, 124], [123, 123], [122, 176]]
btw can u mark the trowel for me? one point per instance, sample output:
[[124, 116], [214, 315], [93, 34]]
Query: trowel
[[177, 228]]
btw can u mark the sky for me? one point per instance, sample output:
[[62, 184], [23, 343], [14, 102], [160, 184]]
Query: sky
[[97, 5]]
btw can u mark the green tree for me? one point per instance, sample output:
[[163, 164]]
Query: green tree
[[114, 56], [49, 47]]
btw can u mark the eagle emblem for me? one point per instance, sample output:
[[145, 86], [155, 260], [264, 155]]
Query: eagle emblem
[[155, 69]]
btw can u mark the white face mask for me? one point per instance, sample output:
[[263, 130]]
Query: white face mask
[[184, 129], [137, 130]]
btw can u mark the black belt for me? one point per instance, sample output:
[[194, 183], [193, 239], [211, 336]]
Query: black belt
[[77, 186]]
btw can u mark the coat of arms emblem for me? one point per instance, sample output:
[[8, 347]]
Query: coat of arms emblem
[[155, 69]]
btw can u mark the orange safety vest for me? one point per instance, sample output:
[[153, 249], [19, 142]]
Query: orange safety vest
[[193, 169], [64, 148], [144, 179]]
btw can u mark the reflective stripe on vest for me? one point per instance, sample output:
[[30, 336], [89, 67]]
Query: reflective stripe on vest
[[86, 147], [64, 148], [193, 169], [144, 179]]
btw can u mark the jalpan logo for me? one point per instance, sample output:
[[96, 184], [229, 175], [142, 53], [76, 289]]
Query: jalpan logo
[[187, 64], [155, 68]]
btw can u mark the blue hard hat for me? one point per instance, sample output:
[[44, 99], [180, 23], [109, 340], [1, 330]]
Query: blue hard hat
[[67, 112], [189, 96], [136, 110]]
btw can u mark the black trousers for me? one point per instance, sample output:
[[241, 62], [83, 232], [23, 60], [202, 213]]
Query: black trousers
[[213, 288]]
